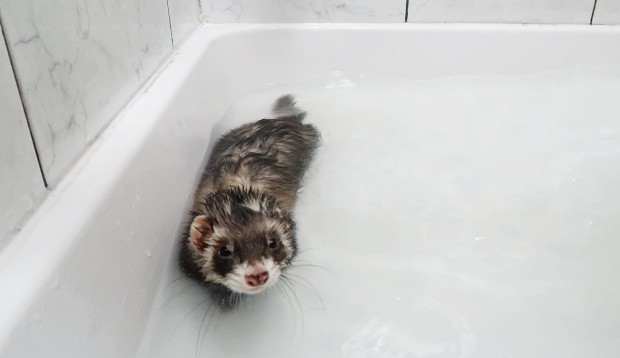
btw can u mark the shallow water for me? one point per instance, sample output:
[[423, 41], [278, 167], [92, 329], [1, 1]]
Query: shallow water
[[458, 217]]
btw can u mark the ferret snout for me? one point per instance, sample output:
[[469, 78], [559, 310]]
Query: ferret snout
[[253, 277], [258, 279]]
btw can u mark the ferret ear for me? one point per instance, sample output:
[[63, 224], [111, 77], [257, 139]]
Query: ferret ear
[[200, 230]]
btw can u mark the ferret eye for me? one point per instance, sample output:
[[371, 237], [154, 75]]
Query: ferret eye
[[273, 243], [224, 251]]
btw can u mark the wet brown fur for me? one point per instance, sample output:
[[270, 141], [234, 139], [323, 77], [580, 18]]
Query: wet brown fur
[[269, 155]]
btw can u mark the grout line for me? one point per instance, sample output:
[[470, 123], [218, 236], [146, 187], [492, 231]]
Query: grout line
[[170, 23], [407, 11], [593, 10], [199, 9], [20, 92]]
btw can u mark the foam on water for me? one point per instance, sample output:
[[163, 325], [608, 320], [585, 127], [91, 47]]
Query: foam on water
[[458, 217]]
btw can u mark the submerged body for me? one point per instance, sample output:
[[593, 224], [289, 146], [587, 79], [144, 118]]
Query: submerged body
[[242, 234]]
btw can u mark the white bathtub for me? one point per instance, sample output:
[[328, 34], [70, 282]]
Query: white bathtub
[[95, 263]]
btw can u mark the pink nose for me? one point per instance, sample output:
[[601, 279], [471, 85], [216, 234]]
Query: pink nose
[[257, 280]]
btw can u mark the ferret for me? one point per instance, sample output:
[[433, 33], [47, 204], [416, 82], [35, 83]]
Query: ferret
[[242, 234]]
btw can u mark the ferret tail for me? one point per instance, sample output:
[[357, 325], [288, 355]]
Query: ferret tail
[[285, 107]]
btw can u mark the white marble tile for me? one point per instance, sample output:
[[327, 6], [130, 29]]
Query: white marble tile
[[607, 12], [502, 11], [184, 18], [218, 11], [21, 184], [79, 61]]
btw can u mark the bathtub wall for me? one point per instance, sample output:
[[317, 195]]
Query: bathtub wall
[[76, 63], [415, 11]]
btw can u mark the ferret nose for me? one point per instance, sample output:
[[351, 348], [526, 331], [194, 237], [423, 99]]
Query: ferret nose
[[258, 279]]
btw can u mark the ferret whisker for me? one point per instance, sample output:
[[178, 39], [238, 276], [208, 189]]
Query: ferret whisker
[[206, 330], [173, 281], [281, 286], [301, 264], [288, 274], [309, 287], [187, 315], [177, 294], [299, 260], [285, 295], [234, 299], [301, 311], [202, 323], [203, 333], [307, 249], [294, 281]]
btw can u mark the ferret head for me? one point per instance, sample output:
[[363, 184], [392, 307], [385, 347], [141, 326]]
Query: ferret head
[[242, 240]]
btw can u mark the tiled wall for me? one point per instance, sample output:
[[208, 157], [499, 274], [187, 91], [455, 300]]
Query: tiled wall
[[184, 17], [217, 11], [77, 63], [21, 185], [510, 11], [607, 12], [488, 11]]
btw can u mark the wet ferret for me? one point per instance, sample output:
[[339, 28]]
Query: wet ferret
[[242, 233]]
